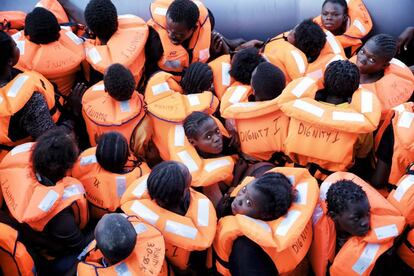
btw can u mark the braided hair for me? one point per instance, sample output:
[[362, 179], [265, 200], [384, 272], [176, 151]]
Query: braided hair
[[198, 77], [41, 26], [341, 79], [268, 82], [101, 18], [310, 39], [342, 3], [243, 64], [6, 48], [112, 152], [386, 45], [341, 193], [184, 11], [193, 122], [119, 82]]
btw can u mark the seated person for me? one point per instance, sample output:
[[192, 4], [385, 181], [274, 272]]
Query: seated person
[[123, 244], [348, 20], [186, 218], [352, 229], [390, 79], [251, 238], [106, 172], [113, 39], [54, 52], [112, 104]]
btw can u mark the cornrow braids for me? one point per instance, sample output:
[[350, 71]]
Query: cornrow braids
[[112, 152], [386, 45], [119, 82], [341, 79], [198, 77], [193, 122], [341, 193], [6, 48], [184, 11], [342, 3]]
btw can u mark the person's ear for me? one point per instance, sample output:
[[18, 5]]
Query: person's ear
[[332, 215], [192, 141]]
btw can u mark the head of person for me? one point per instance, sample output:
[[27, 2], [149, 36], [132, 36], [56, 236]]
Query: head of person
[[267, 197], [112, 152], [341, 79], [309, 38], [376, 54], [198, 77], [119, 82], [349, 208], [101, 18], [243, 64], [54, 153], [168, 184], [182, 18], [268, 81], [41, 26], [203, 133], [334, 16], [115, 237], [9, 52]]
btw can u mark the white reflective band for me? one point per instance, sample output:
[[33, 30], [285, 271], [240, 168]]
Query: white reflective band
[[398, 63], [39, 5], [65, 28], [120, 185], [214, 165], [160, 11], [204, 54], [366, 258], [179, 136], [335, 58], [225, 73], [324, 190], [17, 86], [193, 99], [302, 195], [203, 212], [403, 187], [48, 201], [21, 148], [173, 64], [17, 36], [74, 38], [86, 160], [140, 228], [387, 231], [94, 55], [21, 45], [144, 212], [406, 119], [247, 104], [198, 3], [237, 94], [291, 179], [98, 87], [347, 116], [1, 99], [308, 107], [302, 86], [73, 190], [124, 106], [347, 1], [122, 270], [317, 214], [400, 108], [359, 25], [180, 229], [332, 42], [127, 16], [188, 161], [287, 222], [318, 74], [259, 222], [160, 88], [299, 61], [141, 188], [366, 102]]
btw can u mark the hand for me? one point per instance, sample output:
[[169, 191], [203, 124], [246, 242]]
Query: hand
[[405, 38], [74, 100], [234, 136], [219, 45], [249, 44]]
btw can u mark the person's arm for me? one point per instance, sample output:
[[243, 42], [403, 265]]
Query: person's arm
[[153, 53], [405, 38], [384, 154]]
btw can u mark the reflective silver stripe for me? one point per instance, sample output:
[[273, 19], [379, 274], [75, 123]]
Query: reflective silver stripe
[[403, 187], [203, 212], [359, 25], [122, 270], [398, 63], [1, 99], [347, 116], [302, 86], [160, 11], [21, 44], [260, 223], [302, 194], [204, 54], [405, 119], [87, 160], [247, 104], [73, 190], [127, 16], [120, 185], [318, 74], [21, 148], [144, 212], [367, 99], [324, 190], [140, 188], [160, 88], [94, 55], [124, 106], [188, 161], [181, 229], [386, 231], [193, 99], [225, 73], [309, 108], [179, 136], [366, 258], [17, 86], [48, 201], [98, 87], [237, 94], [173, 64], [74, 38], [299, 61], [140, 228], [332, 42], [214, 165], [317, 214], [287, 222]]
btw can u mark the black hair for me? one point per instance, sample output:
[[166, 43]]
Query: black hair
[[278, 194], [184, 11], [119, 82], [268, 81], [54, 153], [386, 45], [6, 49], [41, 26], [112, 152], [101, 18], [115, 237], [310, 39], [198, 77], [167, 183], [341, 193], [192, 123], [342, 3], [341, 78], [243, 64]]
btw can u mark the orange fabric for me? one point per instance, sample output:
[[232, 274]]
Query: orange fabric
[[287, 239], [359, 254], [221, 76], [235, 94], [182, 234], [33, 203], [12, 21], [175, 57], [56, 8]]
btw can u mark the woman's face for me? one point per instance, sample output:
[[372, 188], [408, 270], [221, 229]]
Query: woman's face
[[333, 17], [248, 202], [369, 60], [209, 138]]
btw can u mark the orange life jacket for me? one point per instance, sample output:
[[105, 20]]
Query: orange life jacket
[[103, 189], [287, 239], [221, 76], [359, 254], [126, 46], [237, 94], [146, 259], [359, 25], [175, 57], [102, 113], [182, 234], [12, 21], [316, 130], [14, 258], [56, 8]]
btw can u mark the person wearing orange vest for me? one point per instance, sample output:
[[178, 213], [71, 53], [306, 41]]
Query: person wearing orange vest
[[12, 22], [265, 226], [390, 79], [50, 205], [354, 226], [123, 246], [113, 39], [348, 20], [186, 218], [113, 104]]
